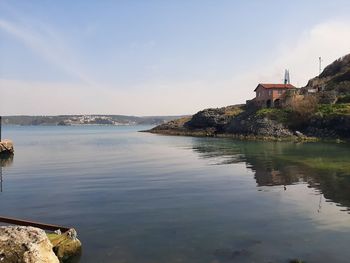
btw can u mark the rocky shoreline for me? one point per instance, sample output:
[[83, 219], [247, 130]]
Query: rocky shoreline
[[251, 137], [238, 122]]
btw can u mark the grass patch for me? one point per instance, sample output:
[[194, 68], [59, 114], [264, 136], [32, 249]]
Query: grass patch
[[334, 109], [280, 115], [233, 111], [182, 120]]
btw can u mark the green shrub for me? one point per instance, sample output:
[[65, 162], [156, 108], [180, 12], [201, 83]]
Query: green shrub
[[344, 99]]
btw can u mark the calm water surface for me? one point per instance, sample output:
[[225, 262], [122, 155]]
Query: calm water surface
[[143, 198]]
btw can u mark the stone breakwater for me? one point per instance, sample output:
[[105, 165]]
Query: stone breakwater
[[6, 147]]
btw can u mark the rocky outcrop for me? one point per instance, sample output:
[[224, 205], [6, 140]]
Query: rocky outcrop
[[6, 147], [232, 120], [209, 118], [173, 125], [19, 244], [215, 118], [333, 126]]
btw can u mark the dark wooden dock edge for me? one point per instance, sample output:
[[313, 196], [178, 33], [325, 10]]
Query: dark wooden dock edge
[[15, 221]]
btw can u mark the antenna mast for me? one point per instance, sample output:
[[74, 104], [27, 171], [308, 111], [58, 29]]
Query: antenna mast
[[286, 77]]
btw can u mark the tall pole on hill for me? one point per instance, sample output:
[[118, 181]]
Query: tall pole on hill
[[320, 65]]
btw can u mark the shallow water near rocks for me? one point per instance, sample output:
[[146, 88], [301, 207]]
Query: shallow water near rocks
[[141, 198]]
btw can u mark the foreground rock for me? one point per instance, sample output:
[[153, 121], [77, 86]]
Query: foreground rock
[[19, 244], [6, 147]]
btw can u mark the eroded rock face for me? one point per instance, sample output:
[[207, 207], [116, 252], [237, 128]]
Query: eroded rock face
[[19, 244], [334, 126], [254, 125], [208, 118]]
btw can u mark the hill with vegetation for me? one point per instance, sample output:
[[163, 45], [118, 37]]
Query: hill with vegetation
[[323, 113], [86, 120], [333, 83]]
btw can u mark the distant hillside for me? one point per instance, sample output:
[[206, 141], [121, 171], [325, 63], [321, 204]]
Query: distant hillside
[[87, 120]]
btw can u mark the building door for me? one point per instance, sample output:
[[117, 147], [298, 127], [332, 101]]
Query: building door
[[268, 103]]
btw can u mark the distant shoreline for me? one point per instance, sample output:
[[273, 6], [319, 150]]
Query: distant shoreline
[[70, 120]]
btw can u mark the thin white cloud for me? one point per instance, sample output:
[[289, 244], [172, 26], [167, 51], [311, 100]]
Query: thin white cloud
[[49, 45]]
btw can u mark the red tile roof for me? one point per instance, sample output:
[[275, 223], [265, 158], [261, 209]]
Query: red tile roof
[[276, 86]]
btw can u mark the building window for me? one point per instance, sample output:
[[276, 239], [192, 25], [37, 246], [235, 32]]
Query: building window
[[270, 92], [280, 92]]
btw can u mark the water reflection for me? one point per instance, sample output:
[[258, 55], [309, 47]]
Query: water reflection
[[5, 160], [324, 167]]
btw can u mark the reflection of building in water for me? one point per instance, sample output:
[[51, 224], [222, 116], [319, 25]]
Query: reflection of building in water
[[5, 160], [273, 177], [270, 177]]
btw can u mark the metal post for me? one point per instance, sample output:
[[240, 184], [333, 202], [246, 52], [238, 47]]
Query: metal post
[[0, 179]]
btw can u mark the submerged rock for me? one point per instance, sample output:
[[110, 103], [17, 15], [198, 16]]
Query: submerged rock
[[19, 244]]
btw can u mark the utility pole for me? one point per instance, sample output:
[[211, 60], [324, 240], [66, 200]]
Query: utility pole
[[0, 128], [320, 65]]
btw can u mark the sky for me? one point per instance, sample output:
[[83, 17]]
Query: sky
[[159, 57]]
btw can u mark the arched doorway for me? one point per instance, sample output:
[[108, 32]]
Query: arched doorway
[[277, 103]]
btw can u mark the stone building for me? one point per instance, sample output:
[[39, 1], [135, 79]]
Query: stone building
[[270, 95]]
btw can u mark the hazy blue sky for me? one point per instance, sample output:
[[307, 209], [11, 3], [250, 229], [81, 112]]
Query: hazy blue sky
[[159, 57]]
